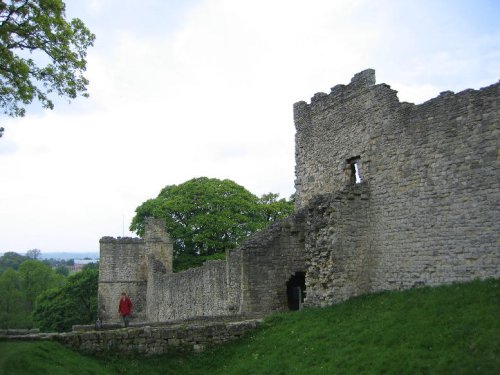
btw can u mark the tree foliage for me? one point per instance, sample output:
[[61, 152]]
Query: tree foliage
[[205, 216], [14, 310], [38, 294], [274, 208], [11, 260], [91, 266], [36, 277], [62, 270], [34, 254], [40, 53], [74, 303], [19, 289]]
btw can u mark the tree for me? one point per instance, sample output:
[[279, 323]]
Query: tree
[[91, 266], [275, 208], [36, 277], [11, 260], [74, 303], [40, 53], [33, 254], [14, 312], [62, 270], [206, 216]]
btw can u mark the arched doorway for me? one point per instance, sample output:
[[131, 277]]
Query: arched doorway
[[296, 290]]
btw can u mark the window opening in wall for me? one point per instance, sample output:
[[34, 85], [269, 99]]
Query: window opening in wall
[[355, 170], [296, 290]]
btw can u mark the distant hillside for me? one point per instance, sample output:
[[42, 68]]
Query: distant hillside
[[68, 255], [445, 330], [63, 255]]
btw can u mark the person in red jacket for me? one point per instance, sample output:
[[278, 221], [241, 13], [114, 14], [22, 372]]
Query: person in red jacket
[[125, 308]]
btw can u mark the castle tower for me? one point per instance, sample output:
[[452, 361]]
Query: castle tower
[[158, 242], [123, 267]]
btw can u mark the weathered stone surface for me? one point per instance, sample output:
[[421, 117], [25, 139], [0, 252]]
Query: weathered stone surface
[[426, 211], [147, 340], [18, 332], [123, 267]]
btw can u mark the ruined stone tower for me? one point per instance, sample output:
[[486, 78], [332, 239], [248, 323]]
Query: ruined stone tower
[[424, 209], [123, 267]]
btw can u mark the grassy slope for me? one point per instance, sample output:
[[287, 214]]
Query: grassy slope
[[44, 357], [453, 329]]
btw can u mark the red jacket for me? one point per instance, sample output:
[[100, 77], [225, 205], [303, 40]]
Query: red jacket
[[125, 306]]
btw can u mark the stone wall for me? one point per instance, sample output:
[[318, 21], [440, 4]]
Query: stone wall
[[334, 129], [147, 340], [389, 195], [430, 173], [158, 243], [253, 280], [198, 291], [123, 267], [4, 333], [268, 261], [339, 259]]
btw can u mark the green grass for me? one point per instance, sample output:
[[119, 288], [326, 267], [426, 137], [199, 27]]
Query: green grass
[[45, 357], [447, 330]]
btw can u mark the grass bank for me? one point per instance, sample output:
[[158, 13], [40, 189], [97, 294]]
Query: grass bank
[[446, 330]]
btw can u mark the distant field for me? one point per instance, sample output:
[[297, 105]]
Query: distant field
[[446, 330]]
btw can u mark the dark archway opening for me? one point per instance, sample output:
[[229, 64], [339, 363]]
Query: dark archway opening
[[296, 290]]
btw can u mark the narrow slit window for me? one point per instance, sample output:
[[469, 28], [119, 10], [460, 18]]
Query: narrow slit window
[[355, 170], [357, 175]]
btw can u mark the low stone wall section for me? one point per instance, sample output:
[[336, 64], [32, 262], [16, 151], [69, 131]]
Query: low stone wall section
[[18, 332], [148, 340]]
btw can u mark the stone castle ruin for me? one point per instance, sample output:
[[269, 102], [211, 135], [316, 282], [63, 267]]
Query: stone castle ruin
[[389, 196], [251, 281]]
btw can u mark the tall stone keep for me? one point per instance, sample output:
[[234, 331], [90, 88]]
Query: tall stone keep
[[397, 195], [123, 267]]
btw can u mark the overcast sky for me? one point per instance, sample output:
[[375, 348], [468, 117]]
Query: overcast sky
[[184, 89]]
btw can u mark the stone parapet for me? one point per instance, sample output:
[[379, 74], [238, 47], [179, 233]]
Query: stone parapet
[[121, 240]]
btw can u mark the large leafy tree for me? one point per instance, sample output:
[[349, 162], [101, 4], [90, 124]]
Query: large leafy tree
[[35, 278], [11, 260], [75, 302], [205, 216], [14, 312], [40, 53], [19, 289]]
